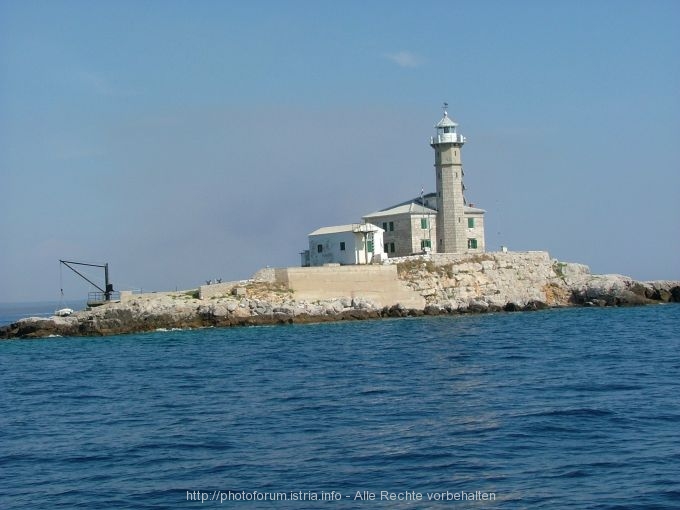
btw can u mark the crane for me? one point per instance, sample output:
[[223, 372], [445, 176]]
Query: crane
[[94, 298]]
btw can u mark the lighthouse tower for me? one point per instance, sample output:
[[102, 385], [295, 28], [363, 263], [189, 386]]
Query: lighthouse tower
[[451, 226]]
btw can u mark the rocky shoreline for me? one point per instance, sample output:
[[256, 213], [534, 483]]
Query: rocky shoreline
[[491, 282]]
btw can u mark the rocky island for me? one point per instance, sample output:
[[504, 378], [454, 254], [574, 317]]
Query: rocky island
[[431, 284]]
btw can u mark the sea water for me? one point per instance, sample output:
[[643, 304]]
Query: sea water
[[574, 408]]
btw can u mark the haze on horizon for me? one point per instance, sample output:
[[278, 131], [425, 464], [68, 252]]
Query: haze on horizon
[[183, 141]]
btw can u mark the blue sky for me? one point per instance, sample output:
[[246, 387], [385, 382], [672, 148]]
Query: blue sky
[[182, 141]]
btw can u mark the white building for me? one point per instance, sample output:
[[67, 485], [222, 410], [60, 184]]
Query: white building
[[357, 243]]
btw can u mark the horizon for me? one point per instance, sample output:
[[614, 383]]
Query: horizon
[[181, 143]]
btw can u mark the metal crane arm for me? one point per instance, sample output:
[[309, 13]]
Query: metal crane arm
[[68, 263]]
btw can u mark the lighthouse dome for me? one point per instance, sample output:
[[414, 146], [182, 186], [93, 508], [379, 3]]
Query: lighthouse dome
[[446, 122]]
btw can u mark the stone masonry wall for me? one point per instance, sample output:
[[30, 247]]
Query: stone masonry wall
[[376, 283]]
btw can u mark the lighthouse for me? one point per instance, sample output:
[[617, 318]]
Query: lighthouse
[[433, 222], [451, 221]]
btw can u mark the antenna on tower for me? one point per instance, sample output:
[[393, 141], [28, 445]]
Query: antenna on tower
[[445, 108]]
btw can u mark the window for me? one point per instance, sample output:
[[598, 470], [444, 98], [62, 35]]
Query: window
[[385, 226], [423, 223], [386, 247], [471, 223], [425, 243], [319, 248], [391, 247], [391, 226], [342, 245], [472, 244]]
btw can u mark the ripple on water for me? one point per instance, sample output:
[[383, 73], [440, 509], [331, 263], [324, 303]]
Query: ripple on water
[[560, 408]]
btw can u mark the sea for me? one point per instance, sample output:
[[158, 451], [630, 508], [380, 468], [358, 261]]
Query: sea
[[568, 408]]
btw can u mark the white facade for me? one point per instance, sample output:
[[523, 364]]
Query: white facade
[[344, 244]]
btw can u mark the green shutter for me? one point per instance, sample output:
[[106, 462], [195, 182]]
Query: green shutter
[[471, 223], [369, 246], [423, 223]]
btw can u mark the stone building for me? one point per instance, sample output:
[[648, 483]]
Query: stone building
[[441, 222], [411, 227]]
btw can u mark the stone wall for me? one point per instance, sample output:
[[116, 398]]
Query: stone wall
[[376, 283], [476, 232], [401, 235], [218, 289], [421, 234]]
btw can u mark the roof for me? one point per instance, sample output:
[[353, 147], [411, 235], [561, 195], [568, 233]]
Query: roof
[[473, 210], [353, 227], [414, 206], [446, 122], [405, 208]]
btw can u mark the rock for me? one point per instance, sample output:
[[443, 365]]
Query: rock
[[432, 310], [362, 304], [397, 311], [675, 294], [478, 306], [630, 298], [336, 307], [443, 283], [221, 310], [535, 305], [356, 314]]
